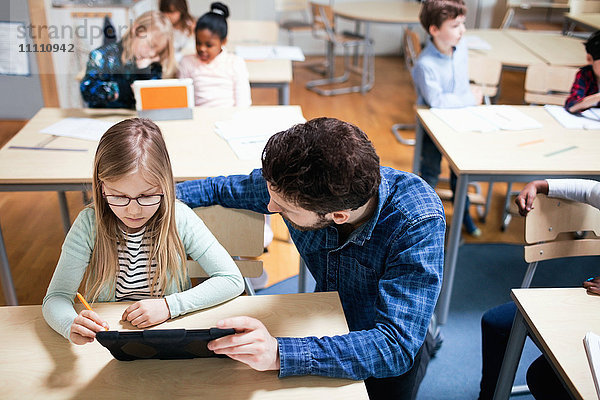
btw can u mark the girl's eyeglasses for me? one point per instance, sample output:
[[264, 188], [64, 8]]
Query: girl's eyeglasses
[[122, 201]]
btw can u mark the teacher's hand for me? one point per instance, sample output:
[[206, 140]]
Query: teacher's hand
[[252, 344]]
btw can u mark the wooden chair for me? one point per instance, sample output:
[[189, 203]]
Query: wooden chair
[[241, 233], [550, 233], [548, 84], [485, 73], [550, 228], [324, 28], [292, 16], [544, 84]]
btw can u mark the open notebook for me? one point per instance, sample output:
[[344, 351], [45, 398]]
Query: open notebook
[[591, 342]]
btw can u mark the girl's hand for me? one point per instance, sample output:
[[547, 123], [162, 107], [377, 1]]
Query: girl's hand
[[146, 313], [142, 63], [84, 327], [592, 286]]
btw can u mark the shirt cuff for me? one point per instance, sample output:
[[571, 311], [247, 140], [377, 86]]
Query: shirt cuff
[[294, 357]]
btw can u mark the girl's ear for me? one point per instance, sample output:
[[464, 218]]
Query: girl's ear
[[589, 58], [223, 42]]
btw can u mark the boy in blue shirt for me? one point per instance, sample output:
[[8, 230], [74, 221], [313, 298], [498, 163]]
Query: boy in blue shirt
[[441, 77]]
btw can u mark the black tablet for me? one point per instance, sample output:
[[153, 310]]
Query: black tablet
[[166, 344]]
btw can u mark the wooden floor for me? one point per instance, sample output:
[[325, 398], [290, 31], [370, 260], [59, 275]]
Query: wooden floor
[[31, 222]]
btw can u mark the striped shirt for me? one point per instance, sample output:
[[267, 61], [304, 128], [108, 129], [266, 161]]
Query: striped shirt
[[133, 280]]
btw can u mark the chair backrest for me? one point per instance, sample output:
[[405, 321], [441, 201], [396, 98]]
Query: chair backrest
[[548, 84], [411, 44], [485, 72], [292, 15], [323, 21], [251, 33], [552, 217], [241, 232]]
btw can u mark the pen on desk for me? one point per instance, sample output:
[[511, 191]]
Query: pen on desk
[[532, 142], [43, 148], [85, 304], [560, 151]]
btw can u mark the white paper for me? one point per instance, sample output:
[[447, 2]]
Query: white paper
[[589, 119], [476, 43], [293, 53], [13, 49], [591, 343], [80, 128], [248, 130], [486, 118]]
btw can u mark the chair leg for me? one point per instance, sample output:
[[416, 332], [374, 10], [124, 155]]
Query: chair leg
[[248, 287], [529, 275], [506, 217], [396, 128]]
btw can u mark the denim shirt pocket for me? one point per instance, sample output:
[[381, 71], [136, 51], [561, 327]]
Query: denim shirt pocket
[[358, 287]]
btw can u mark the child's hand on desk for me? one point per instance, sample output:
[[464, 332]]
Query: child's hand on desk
[[84, 327], [146, 313], [593, 285], [478, 94], [252, 344]]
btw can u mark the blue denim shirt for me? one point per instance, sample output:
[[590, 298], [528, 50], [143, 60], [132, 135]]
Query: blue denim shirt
[[443, 81], [388, 274]]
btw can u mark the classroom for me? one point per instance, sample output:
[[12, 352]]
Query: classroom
[[285, 199]]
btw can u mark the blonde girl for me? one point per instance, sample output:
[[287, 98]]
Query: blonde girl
[[132, 243], [144, 52]]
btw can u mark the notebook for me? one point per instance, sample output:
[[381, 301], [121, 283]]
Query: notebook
[[165, 344], [591, 342]]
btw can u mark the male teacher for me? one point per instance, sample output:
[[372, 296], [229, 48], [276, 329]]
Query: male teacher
[[373, 234]]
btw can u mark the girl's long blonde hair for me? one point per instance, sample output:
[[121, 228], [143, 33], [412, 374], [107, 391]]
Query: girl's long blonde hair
[[128, 147], [157, 23]]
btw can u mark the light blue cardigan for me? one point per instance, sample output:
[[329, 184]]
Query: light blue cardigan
[[225, 280]]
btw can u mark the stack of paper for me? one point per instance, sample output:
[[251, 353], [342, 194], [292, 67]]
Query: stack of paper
[[486, 118], [80, 128], [589, 119], [293, 53], [591, 342], [248, 130]]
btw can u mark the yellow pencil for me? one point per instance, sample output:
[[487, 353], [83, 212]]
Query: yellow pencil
[[85, 304]]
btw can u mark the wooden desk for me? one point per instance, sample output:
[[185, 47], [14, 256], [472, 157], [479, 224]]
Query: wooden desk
[[38, 363], [380, 12], [196, 151], [553, 48], [272, 74], [504, 49], [505, 156], [589, 21], [557, 320]]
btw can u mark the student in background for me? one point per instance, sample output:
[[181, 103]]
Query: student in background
[[144, 52], [584, 92], [131, 244], [496, 323], [183, 25], [373, 234], [220, 78], [442, 80]]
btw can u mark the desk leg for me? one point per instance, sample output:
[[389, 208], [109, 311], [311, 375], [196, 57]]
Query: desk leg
[[64, 211], [460, 195], [7, 283], [302, 277], [284, 94], [516, 341], [416, 164], [364, 82]]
